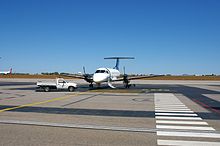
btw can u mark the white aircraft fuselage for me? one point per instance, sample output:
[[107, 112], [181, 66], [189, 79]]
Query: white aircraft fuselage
[[105, 75], [6, 72]]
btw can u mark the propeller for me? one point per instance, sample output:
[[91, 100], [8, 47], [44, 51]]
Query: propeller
[[84, 70], [87, 77]]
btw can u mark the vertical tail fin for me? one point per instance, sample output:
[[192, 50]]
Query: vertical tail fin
[[117, 64], [117, 60], [10, 71]]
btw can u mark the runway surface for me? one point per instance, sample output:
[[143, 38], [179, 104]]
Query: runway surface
[[151, 113]]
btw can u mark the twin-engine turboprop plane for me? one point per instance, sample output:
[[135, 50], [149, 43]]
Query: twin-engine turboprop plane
[[109, 75]]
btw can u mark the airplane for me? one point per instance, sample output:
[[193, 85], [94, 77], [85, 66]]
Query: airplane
[[6, 72], [109, 75]]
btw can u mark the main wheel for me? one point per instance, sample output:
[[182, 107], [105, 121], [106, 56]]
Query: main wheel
[[71, 89], [46, 89]]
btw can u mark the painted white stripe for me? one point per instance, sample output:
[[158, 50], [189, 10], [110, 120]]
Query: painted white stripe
[[69, 125], [186, 143], [172, 108], [184, 127], [175, 114], [166, 100], [169, 102], [178, 118], [168, 105], [181, 122], [177, 111], [188, 134]]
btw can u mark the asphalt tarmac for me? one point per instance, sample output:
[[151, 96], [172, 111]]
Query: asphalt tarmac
[[151, 113]]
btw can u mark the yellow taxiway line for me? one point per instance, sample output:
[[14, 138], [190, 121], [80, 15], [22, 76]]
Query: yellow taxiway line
[[41, 102]]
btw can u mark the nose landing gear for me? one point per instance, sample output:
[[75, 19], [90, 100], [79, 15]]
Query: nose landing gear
[[91, 85]]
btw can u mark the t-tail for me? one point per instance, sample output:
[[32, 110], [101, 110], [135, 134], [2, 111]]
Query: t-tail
[[117, 60]]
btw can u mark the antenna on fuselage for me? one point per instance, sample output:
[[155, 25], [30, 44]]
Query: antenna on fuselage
[[117, 60]]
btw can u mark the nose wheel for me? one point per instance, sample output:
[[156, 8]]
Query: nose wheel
[[91, 85]]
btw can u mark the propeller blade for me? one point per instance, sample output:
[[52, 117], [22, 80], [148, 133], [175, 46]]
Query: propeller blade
[[124, 70], [84, 70]]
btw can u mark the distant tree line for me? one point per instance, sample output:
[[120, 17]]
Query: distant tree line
[[50, 73], [53, 73], [63, 73]]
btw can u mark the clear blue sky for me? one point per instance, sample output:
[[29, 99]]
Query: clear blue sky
[[165, 36]]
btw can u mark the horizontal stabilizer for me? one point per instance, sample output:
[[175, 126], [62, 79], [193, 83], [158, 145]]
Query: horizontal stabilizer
[[119, 58]]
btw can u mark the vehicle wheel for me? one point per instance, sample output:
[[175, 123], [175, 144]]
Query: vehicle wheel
[[71, 89], [46, 89]]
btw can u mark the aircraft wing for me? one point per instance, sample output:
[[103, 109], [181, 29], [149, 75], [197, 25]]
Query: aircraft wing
[[86, 77], [74, 76], [136, 77]]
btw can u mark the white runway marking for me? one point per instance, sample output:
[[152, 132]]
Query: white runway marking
[[162, 107], [186, 143], [178, 118], [177, 111], [171, 109], [70, 125], [175, 114], [188, 134], [184, 127], [170, 102], [181, 122], [183, 110], [170, 105], [167, 104]]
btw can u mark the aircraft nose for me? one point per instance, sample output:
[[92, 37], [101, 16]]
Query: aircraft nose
[[98, 77]]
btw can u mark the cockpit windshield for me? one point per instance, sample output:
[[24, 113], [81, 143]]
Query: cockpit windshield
[[101, 71]]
